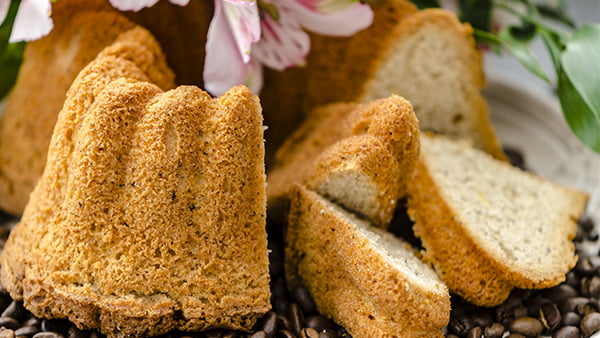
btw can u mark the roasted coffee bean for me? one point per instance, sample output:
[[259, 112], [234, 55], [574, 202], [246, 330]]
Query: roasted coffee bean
[[319, 323], [590, 323], [527, 326], [590, 286], [296, 317], [14, 310], [328, 333], [284, 323], [570, 319], [33, 322], [308, 332], [74, 332], [515, 157], [7, 333], [572, 279], [460, 326], [574, 304], [561, 293], [27, 331], [586, 223], [9, 323], [230, 334], [270, 323], [451, 336], [496, 330], [211, 334], [95, 334], [475, 332], [285, 334], [505, 311], [482, 318], [549, 316], [259, 334], [588, 266], [515, 335], [303, 298], [48, 334], [56, 325], [567, 332], [520, 311]]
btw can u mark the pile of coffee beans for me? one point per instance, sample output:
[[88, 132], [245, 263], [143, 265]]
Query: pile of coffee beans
[[569, 310]]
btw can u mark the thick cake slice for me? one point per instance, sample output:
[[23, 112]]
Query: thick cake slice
[[150, 213], [358, 155], [364, 278], [488, 227]]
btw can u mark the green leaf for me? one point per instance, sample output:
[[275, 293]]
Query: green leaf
[[476, 12], [11, 54], [581, 64], [521, 52], [584, 123], [555, 13], [554, 46], [427, 3]]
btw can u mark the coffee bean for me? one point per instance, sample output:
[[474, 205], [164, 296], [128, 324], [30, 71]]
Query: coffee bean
[[550, 316], [285, 334], [515, 335], [527, 326], [515, 157], [567, 332], [475, 332], [303, 298], [308, 332], [328, 333], [505, 311], [27, 331], [561, 293], [9, 323], [319, 323], [230, 334], [571, 319], [451, 336], [33, 322], [280, 305], [496, 330], [590, 323], [284, 323], [7, 333], [460, 326], [74, 332], [587, 266], [48, 334], [590, 286], [14, 310], [573, 304], [56, 325], [482, 318], [296, 317], [211, 334], [270, 323], [259, 334]]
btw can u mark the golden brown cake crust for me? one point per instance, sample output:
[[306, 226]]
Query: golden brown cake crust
[[350, 282], [150, 214], [82, 29]]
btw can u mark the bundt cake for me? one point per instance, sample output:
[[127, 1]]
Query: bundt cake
[[426, 56], [150, 213], [82, 29], [357, 155]]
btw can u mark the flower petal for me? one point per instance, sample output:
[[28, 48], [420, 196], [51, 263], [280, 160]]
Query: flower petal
[[4, 4], [327, 6], [32, 21], [222, 68], [283, 44], [345, 22], [180, 2], [243, 18], [132, 5]]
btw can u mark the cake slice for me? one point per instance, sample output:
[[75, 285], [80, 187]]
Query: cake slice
[[488, 227], [150, 213], [362, 277], [358, 155], [82, 29], [426, 56]]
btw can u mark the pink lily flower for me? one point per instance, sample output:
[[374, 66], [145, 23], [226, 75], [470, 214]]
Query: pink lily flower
[[281, 41], [136, 5], [32, 22]]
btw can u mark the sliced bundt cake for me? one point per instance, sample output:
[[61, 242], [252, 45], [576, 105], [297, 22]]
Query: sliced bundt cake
[[150, 213], [358, 155], [82, 29]]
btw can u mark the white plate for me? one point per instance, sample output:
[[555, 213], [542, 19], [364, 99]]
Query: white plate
[[529, 119]]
